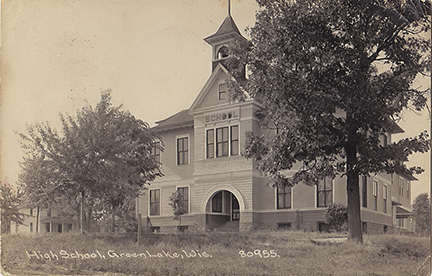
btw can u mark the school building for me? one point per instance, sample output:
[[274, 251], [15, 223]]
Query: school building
[[38, 220], [221, 190]]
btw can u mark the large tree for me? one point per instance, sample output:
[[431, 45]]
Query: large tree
[[332, 76], [10, 204], [422, 214], [102, 155]]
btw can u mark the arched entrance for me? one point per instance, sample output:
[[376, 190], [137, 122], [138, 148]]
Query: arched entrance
[[222, 211]]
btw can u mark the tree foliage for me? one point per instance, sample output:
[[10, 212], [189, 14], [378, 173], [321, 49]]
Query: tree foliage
[[101, 157], [336, 215], [422, 214], [332, 77], [177, 207], [10, 204]]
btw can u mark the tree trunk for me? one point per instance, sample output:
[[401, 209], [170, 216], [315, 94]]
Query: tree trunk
[[354, 218], [82, 212], [105, 219], [113, 213], [353, 194], [88, 219], [37, 219]]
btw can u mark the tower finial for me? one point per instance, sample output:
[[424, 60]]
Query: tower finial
[[229, 7]]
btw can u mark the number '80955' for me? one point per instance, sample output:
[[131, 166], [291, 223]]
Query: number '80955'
[[259, 253]]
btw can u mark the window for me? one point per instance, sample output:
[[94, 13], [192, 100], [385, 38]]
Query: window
[[408, 187], [284, 198], [31, 226], [234, 140], [383, 140], [156, 152], [222, 91], [217, 203], [31, 211], [48, 212], [375, 194], [364, 191], [401, 188], [235, 208], [284, 225], [154, 202], [48, 227], [69, 227], [210, 143], [364, 227], [183, 228], [184, 199], [324, 192], [222, 141], [59, 228], [385, 198], [227, 142], [182, 151], [223, 52], [155, 229]]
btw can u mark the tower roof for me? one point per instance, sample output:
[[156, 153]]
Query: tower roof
[[227, 30]]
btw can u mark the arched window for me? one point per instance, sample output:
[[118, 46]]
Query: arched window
[[223, 52]]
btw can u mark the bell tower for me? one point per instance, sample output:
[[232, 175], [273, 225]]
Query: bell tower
[[225, 36]]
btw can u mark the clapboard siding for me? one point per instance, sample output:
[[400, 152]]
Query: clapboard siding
[[376, 217], [169, 154], [263, 194]]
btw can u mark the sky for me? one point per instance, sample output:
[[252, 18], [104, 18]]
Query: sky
[[58, 56]]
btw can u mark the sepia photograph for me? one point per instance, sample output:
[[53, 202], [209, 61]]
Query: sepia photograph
[[215, 137]]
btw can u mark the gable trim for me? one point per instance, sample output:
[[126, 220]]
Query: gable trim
[[211, 80]]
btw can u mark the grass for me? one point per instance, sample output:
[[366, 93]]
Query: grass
[[213, 253]]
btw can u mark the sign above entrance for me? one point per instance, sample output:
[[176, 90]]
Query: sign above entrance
[[222, 116]]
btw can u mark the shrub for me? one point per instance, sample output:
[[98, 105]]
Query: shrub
[[178, 208], [336, 216]]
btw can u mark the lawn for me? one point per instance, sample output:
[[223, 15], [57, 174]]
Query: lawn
[[214, 253]]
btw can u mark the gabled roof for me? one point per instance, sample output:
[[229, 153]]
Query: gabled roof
[[228, 29], [203, 93], [409, 176], [397, 129], [179, 120], [220, 69], [394, 127]]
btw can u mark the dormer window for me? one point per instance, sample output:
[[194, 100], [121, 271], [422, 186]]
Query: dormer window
[[383, 140], [223, 52]]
